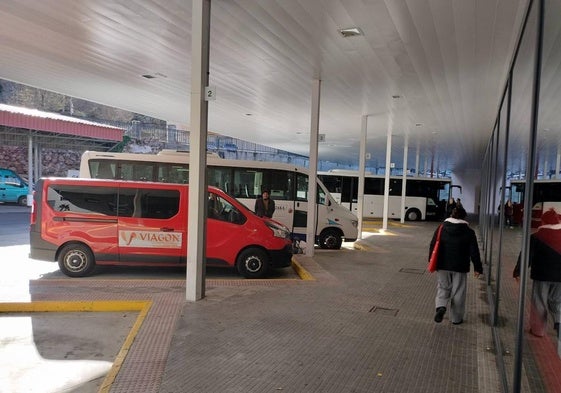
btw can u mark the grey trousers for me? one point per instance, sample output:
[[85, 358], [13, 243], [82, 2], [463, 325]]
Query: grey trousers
[[451, 287], [546, 296]]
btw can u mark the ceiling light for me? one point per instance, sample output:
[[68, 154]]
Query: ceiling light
[[350, 32], [155, 75]]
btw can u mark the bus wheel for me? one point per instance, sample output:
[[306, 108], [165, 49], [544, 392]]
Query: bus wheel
[[253, 263], [330, 239], [76, 260], [22, 201], [413, 215]]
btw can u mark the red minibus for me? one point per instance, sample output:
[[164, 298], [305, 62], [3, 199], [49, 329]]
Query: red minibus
[[82, 223]]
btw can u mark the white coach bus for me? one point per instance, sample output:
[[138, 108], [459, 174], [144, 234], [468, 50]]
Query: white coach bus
[[425, 198], [243, 180]]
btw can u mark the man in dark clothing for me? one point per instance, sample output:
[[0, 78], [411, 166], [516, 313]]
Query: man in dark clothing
[[265, 206], [458, 245], [545, 263], [509, 212]]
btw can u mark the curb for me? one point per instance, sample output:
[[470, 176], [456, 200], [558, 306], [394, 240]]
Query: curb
[[302, 273]]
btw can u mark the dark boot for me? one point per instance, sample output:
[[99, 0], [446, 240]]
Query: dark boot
[[440, 311]]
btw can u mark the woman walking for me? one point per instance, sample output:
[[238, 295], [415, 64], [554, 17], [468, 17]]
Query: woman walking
[[458, 245]]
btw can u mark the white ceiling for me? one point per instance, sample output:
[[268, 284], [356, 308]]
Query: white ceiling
[[446, 59]]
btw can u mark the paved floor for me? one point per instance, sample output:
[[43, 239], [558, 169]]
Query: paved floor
[[363, 324]]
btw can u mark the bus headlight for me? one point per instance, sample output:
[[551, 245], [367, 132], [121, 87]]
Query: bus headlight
[[278, 230]]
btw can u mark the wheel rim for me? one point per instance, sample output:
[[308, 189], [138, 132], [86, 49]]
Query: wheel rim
[[330, 240], [253, 264], [75, 261]]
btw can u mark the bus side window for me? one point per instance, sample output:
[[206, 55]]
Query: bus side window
[[301, 187], [321, 196], [105, 170]]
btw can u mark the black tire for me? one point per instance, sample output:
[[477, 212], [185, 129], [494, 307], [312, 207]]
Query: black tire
[[331, 239], [413, 215], [253, 263], [22, 201], [76, 260]]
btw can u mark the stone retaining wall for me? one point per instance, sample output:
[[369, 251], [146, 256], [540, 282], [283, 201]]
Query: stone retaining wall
[[55, 162]]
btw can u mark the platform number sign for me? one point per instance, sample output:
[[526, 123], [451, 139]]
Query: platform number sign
[[210, 93]]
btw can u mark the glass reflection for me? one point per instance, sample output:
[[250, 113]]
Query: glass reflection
[[517, 151]]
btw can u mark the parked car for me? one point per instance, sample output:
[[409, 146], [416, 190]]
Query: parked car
[[12, 187]]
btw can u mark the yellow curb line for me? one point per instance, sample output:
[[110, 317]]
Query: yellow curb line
[[93, 306], [361, 247], [303, 273]]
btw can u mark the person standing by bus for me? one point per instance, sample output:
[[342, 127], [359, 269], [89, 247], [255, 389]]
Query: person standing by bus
[[509, 212], [545, 264], [458, 245], [450, 206], [265, 205]]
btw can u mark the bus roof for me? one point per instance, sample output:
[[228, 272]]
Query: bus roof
[[347, 172], [179, 157]]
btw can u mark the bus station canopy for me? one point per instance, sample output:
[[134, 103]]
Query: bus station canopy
[[53, 130]]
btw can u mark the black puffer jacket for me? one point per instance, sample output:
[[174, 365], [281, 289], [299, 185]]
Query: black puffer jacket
[[545, 254], [458, 244]]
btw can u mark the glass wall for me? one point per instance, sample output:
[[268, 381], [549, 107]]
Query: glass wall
[[528, 125]]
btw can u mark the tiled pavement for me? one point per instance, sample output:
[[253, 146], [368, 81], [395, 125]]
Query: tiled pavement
[[364, 324]]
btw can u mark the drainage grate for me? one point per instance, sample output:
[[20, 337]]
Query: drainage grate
[[413, 271], [384, 311]]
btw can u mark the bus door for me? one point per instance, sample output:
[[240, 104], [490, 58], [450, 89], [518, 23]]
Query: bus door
[[151, 228], [300, 221]]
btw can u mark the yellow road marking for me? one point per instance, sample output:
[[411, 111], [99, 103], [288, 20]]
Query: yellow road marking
[[93, 306]]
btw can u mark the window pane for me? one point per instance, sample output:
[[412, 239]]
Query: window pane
[[221, 209], [301, 187], [149, 203], [142, 171], [80, 199], [102, 169], [222, 178], [173, 173]]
